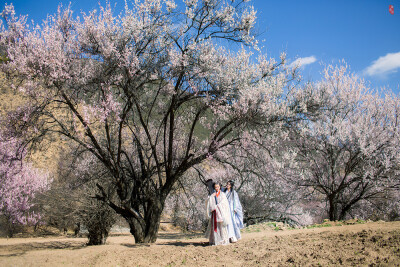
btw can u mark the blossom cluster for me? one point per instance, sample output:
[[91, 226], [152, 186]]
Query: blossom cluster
[[20, 182]]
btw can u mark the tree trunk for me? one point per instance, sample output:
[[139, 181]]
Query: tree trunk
[[97, 236], [332, 212], [77, 228], [136, 229], [342, 215], [345, 210], [10, 230], [146, 230], [11, 227], [98, 218]]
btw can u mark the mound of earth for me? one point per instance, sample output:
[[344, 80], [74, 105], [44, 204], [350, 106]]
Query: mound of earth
[[369, 244]]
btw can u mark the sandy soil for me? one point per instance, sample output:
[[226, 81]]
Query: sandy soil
[[370, 244]]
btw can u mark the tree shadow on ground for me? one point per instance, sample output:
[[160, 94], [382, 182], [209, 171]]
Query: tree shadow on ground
[[167, 235], [187, 244], [174, 239], [182, 239], [20, 249], [176, 243], [136, 245]]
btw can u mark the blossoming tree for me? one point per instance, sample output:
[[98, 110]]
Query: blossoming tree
[[349, 153], [150, 93], [20, 182]]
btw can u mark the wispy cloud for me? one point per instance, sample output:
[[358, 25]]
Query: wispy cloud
[[384, 65], [303, 61]]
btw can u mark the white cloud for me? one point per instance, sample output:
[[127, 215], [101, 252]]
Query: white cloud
[[303, 61], [384, 65]]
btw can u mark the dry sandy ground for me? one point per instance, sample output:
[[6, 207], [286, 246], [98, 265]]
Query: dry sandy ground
[[371, 244]]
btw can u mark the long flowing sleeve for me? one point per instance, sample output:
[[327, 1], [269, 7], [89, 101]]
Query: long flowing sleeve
[[238, 211], [211, 206], [223, 207]]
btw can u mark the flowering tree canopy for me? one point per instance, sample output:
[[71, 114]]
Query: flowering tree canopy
[[19, 183], [350, 151], [150, 93]]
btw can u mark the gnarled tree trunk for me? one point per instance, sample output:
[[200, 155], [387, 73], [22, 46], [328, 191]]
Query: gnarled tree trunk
[[98, 218], [145, 229], [98, 236], [332, 210]]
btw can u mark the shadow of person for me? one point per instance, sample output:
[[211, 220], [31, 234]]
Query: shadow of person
[[187, 244], [168, 243]]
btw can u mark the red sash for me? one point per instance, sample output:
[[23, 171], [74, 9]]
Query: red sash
[[214, 213], [214, 219]]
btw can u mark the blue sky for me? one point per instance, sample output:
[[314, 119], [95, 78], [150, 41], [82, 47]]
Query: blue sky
[[316, 32], [361, 32]]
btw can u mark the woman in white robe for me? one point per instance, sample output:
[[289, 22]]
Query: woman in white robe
[[219, 214], [236, 212]]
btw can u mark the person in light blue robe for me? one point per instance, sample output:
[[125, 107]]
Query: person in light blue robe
[[236, 212]]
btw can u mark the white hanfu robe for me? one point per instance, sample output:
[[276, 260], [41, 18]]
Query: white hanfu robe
[[219, 214], [236, 214]]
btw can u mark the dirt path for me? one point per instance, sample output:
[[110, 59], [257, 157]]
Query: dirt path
[[370, 244]]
